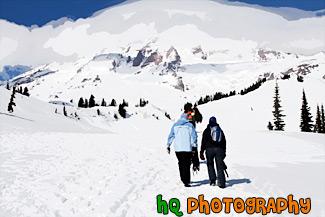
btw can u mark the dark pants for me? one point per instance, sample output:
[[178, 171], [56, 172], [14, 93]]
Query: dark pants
[[184, 164], [217, 154]]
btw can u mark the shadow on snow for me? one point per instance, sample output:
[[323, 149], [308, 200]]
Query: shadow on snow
[[229, 183], [16, 117]]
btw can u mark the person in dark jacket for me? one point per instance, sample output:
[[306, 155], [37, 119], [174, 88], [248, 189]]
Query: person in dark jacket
[[215, 150]]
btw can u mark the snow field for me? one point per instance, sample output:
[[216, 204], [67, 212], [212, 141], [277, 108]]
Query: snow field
[[121, 173], [52, 165]]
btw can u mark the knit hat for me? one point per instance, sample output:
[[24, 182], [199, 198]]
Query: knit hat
[[212, 120]]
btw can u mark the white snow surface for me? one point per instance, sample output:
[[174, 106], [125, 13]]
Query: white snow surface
[[52, 165]]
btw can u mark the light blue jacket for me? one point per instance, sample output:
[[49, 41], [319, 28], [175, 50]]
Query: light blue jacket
[[183, 134]]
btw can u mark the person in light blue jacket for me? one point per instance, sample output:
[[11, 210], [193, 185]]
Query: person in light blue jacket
[[185, 142]]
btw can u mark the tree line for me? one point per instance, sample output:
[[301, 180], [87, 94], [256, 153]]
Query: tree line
[[19, 90], [220, 95], [306, 122], [90, 103]]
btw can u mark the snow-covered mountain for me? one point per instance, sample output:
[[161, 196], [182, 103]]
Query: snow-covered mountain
[[52, 165], [191, 46], [93, 162]]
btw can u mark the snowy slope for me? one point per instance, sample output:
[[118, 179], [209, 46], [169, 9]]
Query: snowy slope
[[111, 76], [32, 115], [100, 167]]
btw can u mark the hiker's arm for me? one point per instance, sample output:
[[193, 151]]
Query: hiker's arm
[[194, 136], [171, 137], [204, 141]]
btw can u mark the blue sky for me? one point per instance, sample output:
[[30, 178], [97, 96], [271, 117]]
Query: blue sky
[[40, 12]]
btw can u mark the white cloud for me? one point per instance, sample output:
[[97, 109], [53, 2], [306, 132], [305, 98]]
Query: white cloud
[[7, 47], [307, 43]]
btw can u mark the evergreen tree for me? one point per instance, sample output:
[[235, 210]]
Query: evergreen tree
[[318, 121], [11, 102], [121, 110], [128, 59], [8, 88], [142, 103], [277, 113], [86, 103], [270, 126], [10, 108], [200, 102], [64, 111], [125, 104], [26, 93], [305, 120], [322, 130], [113, 103], [198, 116], [103, 103], [76, 116], [81, 103], [92, 101], [167, 115]]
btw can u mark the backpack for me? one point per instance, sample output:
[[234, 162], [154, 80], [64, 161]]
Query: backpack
[[216, 133]]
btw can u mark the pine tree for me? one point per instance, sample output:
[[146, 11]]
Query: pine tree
[[76, 116], [270, 126], [318, 121], [26, 93], [322, 129], [19, 89], [143, 102], [113, 103], [92, 101], [86, 103], [8, 88], [125, 104], [128, 59], [10, 108], [200, 102], [198, 116], [305, 120], [121, 110], [103, 103], [11, 102], [64, 111], [81, 103], [277, 113]]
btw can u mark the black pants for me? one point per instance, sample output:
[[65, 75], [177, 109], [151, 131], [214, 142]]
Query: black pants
[[217, 154], [184, 164]]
